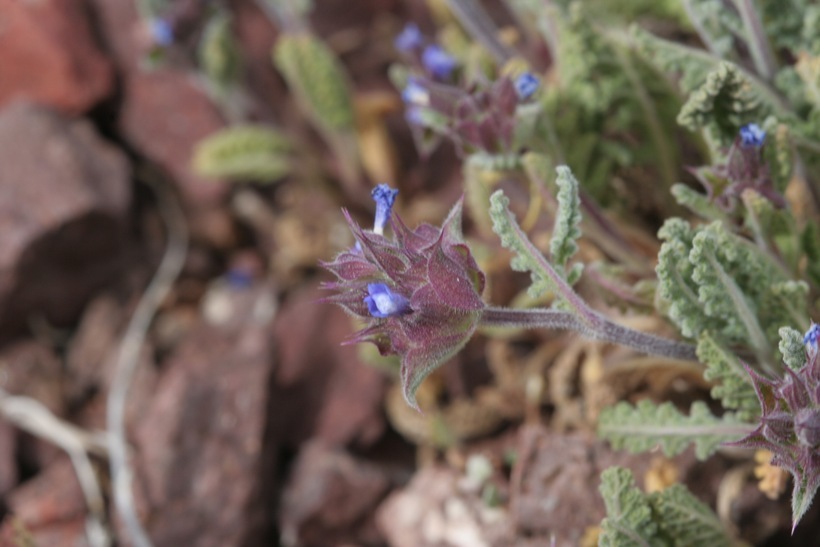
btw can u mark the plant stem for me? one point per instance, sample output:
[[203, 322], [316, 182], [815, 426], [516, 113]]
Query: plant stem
[[757, 41], [600, 328], [472, 15]]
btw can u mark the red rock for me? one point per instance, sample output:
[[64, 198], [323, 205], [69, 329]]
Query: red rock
[[50, 509], [322, 389], [199, 443], [63, 195], [48, 55], [164, 111], [164, 115], [330, 498]]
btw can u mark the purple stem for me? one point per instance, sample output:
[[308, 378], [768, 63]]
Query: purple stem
[[601, 329]]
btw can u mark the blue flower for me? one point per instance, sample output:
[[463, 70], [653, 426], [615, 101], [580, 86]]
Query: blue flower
[[384, 196], [162, 32], [382, 302], [752, 136], [811, 337], [438, 62], [409, 39], [526, 85], [414, 93]]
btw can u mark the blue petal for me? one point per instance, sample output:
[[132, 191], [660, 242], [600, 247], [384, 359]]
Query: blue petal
[[438, 62], [409, 39], [526, 85], [382, 302], [811, 336], [162, 32], [752, 136], [384, 196]]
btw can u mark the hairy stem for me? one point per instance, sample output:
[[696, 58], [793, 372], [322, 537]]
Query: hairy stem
[[472, 15], [757, 41], [600, 328]]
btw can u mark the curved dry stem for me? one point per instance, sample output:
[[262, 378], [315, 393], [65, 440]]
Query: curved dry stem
[[127, 360]]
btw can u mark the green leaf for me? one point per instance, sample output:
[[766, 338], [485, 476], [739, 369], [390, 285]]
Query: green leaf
[[246, 153], [629, 519], [643, 427], [723, 103], [565, 231], [529, 259], [792, 348], [219, 55], [687, 520], [316, 79], [698, 203], [733, 388]]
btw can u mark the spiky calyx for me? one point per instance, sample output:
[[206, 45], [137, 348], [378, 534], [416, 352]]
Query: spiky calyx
[[431, 273], [789, 428]]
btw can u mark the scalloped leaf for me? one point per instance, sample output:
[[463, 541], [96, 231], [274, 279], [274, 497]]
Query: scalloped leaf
[[732, 388], [723, 103], [687, 520], [629, 519], [645, 426], [245, 153]]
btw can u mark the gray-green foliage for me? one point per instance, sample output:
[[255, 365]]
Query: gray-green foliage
[[672, 517], [792, 348], [715, 280], [647, 425], [218, 53], [245, 153], [604, 91], [732, 387], [723, 103], [317, 80], [527, 258], [566, 232], [629, 519]]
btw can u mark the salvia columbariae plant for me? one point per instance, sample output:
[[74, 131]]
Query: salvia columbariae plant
[[610, 129]]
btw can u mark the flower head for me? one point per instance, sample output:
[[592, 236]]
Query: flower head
[[526, 85], [438, 62], [790, 425], [409, 39], [752, 136], [419, 292]]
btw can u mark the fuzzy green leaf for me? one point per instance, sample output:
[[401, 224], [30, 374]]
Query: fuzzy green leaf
[[692, 64], [732, 388], [675, 280], [528, 258], [646, 425], [687, 520], [722, 104], [218, 53], [316, 78], [792, 348], [629, 519], [810, 243], [697, 203], [243, 153], [715, 280], [565, 232]]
